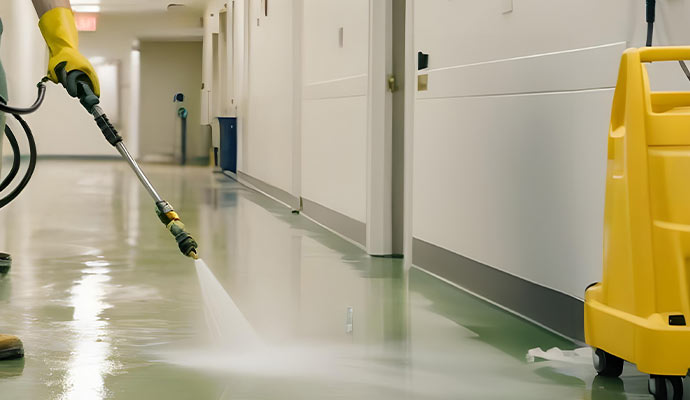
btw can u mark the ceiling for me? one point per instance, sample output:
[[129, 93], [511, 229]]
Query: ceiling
[[139, 6]]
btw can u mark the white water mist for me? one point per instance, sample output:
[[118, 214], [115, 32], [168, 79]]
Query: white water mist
[[228, 325]]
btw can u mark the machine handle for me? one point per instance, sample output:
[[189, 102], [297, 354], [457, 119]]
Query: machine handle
[[670, 53]]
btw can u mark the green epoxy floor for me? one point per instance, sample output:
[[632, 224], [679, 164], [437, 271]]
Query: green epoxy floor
[[108, 309]]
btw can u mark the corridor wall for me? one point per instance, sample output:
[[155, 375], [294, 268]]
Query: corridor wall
[[507, 145], [510, 144], [25, 57], [334, 136], [302, 103], [267, 142]]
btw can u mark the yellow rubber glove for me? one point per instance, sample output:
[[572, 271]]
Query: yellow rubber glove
[[60, 32]]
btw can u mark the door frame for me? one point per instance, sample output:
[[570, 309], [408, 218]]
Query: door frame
[[379, 229], [410, 93]]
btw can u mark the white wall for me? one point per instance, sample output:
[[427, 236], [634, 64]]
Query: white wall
[[334, 114], [168, 68], [118, 35], [22, 49], [301, 97], [267, 140], [510, 139], [62, 126]]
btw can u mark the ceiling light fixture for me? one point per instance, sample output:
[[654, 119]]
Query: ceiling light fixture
[[86, 6], [86, 9]]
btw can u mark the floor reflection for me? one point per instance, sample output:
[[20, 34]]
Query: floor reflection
[[90, 361], [107, 307]]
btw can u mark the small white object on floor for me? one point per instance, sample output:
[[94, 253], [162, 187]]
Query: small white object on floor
[[582, 355], [349, 321]]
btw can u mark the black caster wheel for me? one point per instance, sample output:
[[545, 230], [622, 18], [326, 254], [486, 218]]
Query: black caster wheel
[[607, 364], [666, 387]]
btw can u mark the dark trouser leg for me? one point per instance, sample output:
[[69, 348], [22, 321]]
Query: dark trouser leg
[[10, 346], [3, 89], [5, 259]]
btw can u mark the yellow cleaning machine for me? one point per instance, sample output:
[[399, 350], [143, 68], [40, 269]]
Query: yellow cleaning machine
[[639, 311]]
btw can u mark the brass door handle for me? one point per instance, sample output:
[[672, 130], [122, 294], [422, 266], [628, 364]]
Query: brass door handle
[[392, 84]]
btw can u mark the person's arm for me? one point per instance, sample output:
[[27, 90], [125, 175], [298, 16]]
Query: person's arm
[[56, 21], [43, 6]]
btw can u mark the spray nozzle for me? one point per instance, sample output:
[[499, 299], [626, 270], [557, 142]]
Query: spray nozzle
[[188, 246], [185, 241]]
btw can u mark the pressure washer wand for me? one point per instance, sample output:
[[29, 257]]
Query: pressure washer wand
[[188, 246]]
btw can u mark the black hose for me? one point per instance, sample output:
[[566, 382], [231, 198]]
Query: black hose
[[15, 161], [651, 18], [651, 11], [30, 170], [22, 111], [17, 112], [650, 33], [685, 69]]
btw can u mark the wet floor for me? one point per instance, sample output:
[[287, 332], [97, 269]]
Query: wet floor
[[108, 309]]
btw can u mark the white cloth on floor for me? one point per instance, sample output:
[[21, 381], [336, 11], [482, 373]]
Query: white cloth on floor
[[582, 355]]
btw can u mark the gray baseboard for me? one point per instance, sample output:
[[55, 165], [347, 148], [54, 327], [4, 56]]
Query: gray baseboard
[[270, 190], [229, 174], [340, 223], [555, 310]]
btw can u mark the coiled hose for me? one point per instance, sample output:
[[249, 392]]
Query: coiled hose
[[16, 155]]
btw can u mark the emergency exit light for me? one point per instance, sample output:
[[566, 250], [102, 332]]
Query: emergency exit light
[[86, 22]]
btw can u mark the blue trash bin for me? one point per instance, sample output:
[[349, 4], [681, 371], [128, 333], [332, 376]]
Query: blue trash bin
[[228, 143]]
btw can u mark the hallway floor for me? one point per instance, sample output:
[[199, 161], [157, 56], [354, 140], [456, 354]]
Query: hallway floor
[[108, 308]]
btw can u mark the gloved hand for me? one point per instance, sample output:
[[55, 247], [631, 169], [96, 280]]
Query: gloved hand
[[60, 33]]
